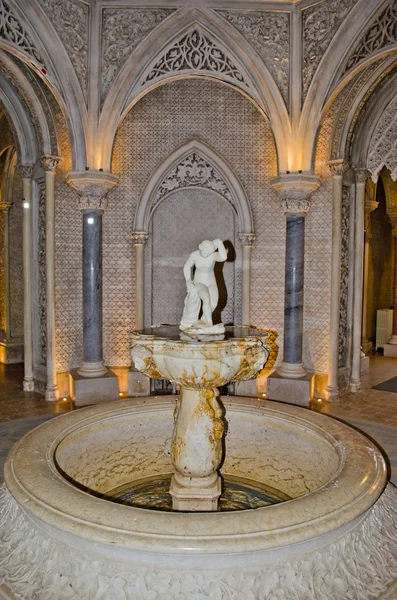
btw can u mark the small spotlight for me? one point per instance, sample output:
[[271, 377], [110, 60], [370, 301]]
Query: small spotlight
[[319, 400], [288, 172], [101, 170], [65, 399], [120, 393], [26, 204], [300, 171], [263, 395], [87, 168], [90, 220]]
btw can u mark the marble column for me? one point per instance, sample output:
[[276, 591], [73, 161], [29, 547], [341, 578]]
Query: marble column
[[92, 187], [5, 318], [246, 240], [361, 178], [139, 239], [369, 207], [49, 164], [393, 338], [295, 190], [337, 168], [25, 172]]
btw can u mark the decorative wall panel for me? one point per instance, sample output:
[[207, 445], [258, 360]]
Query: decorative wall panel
[[70, 20], [269, 34], [320, 24], [122, 31]]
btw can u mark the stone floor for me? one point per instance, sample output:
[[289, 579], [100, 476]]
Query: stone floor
[[372, 411]]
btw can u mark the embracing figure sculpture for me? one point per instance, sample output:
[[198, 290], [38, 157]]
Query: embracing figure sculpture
[[202, 288]]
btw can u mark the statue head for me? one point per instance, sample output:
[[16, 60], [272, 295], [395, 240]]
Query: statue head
[[206, 248]]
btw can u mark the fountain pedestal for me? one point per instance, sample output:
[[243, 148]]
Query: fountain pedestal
[[198, 367]]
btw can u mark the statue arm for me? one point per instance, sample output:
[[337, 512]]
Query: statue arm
[[222, 252], [187, 270]]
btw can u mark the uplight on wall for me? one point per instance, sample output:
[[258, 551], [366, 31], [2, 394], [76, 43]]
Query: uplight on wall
[[26, 205], [90, 220]]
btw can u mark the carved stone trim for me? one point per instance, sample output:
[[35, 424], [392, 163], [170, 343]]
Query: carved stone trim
[[337, 167], [380, 33], [13, 32], [193, 170], [50, 163], [361, 174], [90, 203], [25, 171], [5, 207], [92, 188], [247, 239], [195, 52], [139, 238], [383, 149], [295, 190]]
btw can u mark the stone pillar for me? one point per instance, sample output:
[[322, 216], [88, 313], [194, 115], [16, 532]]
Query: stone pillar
[[25, 172], [295, 190], [139, 239], [247, 240], [370, 206], [337, 168], [6, 320], [49, 164], [390, 349], [92, 187], [361, 178]]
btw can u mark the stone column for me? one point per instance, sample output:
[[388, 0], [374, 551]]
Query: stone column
[[390, 349], [370, 206], [139, 239], [6, 320], [49, 164], [247, 240], [337, 168], [361, 178], [92, 187], [25, 172], [295, 190]]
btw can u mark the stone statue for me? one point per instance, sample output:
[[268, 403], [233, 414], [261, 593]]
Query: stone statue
[[202, 288]]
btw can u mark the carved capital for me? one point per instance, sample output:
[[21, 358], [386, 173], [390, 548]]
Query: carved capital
[[295, 190], [139, 238], [50, 163], [337, 167], [25, 171], [361, 175], [92, 188], [5, 207], [247, 239]]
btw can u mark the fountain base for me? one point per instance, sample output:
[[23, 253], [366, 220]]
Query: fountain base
[[199, 494]]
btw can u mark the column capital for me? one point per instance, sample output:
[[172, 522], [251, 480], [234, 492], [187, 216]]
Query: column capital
[[25, 171], [295, 190], [92, 188], [139, 238], [361, 174], [247, 239], [5, 207], [337, 167], [49, 162]]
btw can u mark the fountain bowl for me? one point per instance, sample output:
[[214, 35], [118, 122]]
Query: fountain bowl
[[61, 535]]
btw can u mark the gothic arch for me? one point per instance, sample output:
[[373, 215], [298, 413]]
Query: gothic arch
[[218, 177], [236, 65]]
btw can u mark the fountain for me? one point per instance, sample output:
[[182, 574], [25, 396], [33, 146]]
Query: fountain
[[269, 501]]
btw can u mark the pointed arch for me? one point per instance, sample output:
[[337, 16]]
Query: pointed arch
[[235, 63], [212, 172]]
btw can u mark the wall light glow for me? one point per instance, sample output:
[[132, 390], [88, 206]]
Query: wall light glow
[[26, 204], [90, 220]]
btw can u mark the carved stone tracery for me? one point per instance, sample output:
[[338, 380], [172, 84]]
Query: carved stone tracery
[[195, 52], [13, 32], [383, 148]]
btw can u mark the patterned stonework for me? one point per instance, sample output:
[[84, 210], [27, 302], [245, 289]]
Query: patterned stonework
[[381, 33], [13, 32], [16, 262], [41, 342], [193, 170], [269, 34], [383, 148], [320, 24], [122, 31], [70, 20], [344, 283], [3, 300], [197, 53]]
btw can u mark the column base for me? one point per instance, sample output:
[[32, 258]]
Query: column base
[[355, 385], [28, 384], [195, 494], [92, 369], [332, 394], [138, 384], [292, 391], [85, 391], [364, 364], [51, 393], [291, 370], [393, 340], [390, 349], [366, 346]]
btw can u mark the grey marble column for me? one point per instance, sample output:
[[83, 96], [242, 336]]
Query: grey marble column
[[295, 190], [247, 240], [92, 187]]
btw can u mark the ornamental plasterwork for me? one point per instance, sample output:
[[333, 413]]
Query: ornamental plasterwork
[[122, 31], [381, 33], [70, 20], [383, 148], [344, 280], [193, 170], [295, 202], [269, 34], [198, 53], [13, 32], [320, 24], [50, 163]]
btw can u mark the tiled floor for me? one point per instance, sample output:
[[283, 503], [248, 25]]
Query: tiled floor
[[372, 411]]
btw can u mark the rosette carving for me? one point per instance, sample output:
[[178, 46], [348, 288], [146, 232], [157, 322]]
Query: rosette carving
[[247, 239]]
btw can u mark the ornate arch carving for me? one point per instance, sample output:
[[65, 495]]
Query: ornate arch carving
[[194, 165], [383, 150], [13, 33]]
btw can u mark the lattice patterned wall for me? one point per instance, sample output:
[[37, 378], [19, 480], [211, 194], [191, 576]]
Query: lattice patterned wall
[[16, 262]]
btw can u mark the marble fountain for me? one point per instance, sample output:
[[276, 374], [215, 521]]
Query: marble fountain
[[198, 495]]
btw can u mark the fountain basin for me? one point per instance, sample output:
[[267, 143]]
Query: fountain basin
[[57, 532]]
